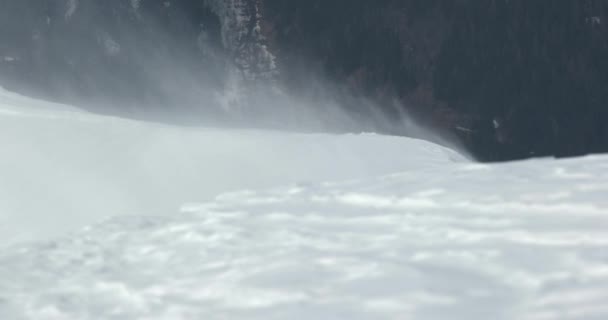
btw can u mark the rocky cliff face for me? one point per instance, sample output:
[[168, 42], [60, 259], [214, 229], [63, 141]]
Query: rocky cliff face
[[134, 53], [509, 78]]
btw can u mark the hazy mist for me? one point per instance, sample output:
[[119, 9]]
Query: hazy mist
[[184, 62]]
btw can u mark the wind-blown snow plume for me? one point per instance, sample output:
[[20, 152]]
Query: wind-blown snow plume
[[179, 61]]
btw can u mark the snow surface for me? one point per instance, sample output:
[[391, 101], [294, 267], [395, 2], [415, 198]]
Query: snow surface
[[323, 227]]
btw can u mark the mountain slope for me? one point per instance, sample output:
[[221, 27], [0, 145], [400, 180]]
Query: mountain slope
[[61, 168]]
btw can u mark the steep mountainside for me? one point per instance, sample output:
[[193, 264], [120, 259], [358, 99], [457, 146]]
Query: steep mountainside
[[509, 78], [131, 53], [512, 78]]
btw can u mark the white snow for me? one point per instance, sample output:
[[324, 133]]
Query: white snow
[[287, 226]]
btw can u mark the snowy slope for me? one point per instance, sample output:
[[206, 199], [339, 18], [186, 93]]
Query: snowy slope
[[62, 169], [386, 228]]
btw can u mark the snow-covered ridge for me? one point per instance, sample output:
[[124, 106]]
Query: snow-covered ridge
[[85, 167]]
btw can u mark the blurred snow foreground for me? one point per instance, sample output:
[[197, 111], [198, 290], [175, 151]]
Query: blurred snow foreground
[[104, 218]]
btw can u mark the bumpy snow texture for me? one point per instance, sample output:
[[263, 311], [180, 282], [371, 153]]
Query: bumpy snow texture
[[104, 218]]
